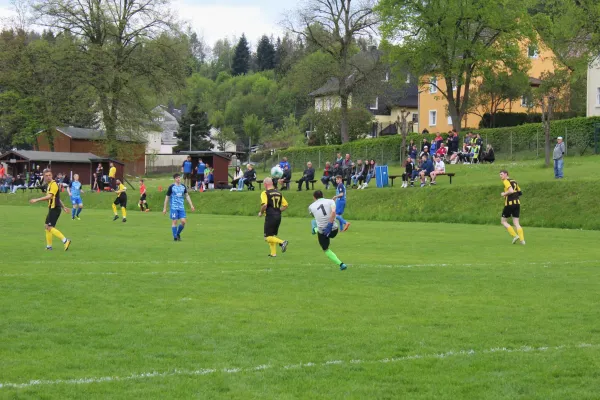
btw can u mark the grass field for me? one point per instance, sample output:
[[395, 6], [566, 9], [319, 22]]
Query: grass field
[[424, 311]]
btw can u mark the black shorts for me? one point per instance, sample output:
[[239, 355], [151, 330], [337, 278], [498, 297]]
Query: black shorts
[[200, 178], [121, 200], [187, 175], [272, 223], [52, 217], [143, 197], [511, 211], [324, 240]]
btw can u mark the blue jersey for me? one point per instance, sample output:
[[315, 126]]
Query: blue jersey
[[341, 189], [187, 167], [76, 189], [201, 168], [177, 194]]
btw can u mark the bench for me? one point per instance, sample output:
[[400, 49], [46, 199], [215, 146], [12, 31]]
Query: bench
[[448, 174], [392, 177], [312, 182], [222, 185]]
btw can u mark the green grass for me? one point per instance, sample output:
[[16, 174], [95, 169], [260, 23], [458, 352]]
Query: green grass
[[126, 300]]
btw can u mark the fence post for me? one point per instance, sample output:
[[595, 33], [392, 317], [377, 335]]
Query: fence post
[[319, 159], [511, 152], [537, 144], [566, 142]]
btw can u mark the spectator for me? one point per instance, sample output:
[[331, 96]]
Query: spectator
[[439, 168], [99, 176], [433, 148], [425, 132], [370, 173], [474, 154], [327, 175], [209, 177], [488, 154], [283, 163], [307, 176], [94, 184], [413, 153], [347, 165], [425, 144], [249, 177], [409, 167], [357, 173], [339, 159], [426, 169], [18, 184], [200, 171], [112, 175], [2, 171], [362, 175], [558, 155], [285, 178], [478, 140], [237, 176], [453, 142], [438, 139], [424, 153], [186, 169], [467, 140], [6, 183], [410, 146], [337, 170], [442, 151]]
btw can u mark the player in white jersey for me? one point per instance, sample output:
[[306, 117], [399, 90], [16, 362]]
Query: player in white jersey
[[325, 225]]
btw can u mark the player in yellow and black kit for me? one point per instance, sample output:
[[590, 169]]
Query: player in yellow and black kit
[[54, 209], [120, 200], [512, 207], [272, 204]]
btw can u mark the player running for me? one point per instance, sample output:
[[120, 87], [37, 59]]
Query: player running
[[272, 204], [340, 203], [54, 206], [74, 190], [175, 198], [324, 224], [142, 203], [120, 200], [512, 207]]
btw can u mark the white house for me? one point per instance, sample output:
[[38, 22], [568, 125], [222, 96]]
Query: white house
[[160, 142], [593, 88]]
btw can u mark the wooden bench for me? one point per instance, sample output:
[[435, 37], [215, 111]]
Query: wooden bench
[[392, 177], [312, 182], [448, 174]]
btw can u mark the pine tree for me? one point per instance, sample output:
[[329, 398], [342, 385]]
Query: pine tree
[[265, 54], [241, 57], [200, 131]]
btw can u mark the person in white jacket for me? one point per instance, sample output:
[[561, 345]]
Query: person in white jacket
[[236, 178], [439, 168]]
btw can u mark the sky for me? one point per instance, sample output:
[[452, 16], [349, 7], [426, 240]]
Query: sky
[[213, 19]]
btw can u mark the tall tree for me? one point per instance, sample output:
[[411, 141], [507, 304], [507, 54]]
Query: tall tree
[[241, 57], [334, 27], [200, 131], [452, 40], [265, 54], [132, 50]]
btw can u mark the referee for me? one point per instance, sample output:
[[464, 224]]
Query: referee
[[512, 207], [272, 204]]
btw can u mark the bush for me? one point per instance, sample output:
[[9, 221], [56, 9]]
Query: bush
[[502, 119]]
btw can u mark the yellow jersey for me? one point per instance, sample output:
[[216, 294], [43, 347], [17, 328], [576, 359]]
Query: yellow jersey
[[513, 198], [53, 190], [112, 172], [120, 189]]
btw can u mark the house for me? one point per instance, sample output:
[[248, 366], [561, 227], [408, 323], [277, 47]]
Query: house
[[593, 88], [433, 106], [161, 140], [69, 139], [84, 164]]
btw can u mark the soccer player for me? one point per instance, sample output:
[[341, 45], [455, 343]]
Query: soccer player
[[54, 206], [512, 207], [142, 203], [340, 203], [272, 204], [120, 200], [74, 190], [324, 224], [175, 195]]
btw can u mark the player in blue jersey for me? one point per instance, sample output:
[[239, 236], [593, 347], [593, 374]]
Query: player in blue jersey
[[176, 196], [340, 203], [75, 191]]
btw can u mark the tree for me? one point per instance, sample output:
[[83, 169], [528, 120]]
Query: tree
[[402, 123], [452, 40], [224, 136], [241, 57], [200, 131], [253, 127], [334, 27], [265, 54], [132, 50]]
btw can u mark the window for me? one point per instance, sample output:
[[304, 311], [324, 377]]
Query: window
[[375, 105], [598, 96], [415, 118], [407, 79], [319, 104], [328, 108], [433, 85], [454, 85], [532, 51], [432, 118], [174, 135], [449, 120], [526, 102]]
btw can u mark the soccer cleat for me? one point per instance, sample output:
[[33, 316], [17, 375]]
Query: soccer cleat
[[48, 248], [175, 239], [124, 219], [116, 217], [284, 246], [346, 227], [147, 210], [523, 242], [179, 238], [67, 244], [422, 185], [78, 219], [343, 266], [271, 255], [515, 239]]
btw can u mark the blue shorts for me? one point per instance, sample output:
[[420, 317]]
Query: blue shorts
[[339, 207], [177, 214], [76, 200]]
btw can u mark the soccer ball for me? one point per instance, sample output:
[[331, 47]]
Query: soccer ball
[[276, 172]]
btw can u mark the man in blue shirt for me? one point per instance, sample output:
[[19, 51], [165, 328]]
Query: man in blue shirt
[[176, 194], [426, 169], [186, 168], [200, 173], [340, 203], [284, 163], [75, 191]]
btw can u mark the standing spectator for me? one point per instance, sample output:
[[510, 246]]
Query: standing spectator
[[452, 142], [425, 144], [478, 140], [200, 170], [2, 171], [112, 175], [410, 146], [413, 153], [347, 169], [186, 168], [237, 176], [307, 176], [439, 168], [327, 174], [409, 167], [286, 177], [438, 139], [100, 176], [558, 156], [94, 184], [283, 163], [339, 159]]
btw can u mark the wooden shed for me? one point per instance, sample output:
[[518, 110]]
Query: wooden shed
[[219, 161]]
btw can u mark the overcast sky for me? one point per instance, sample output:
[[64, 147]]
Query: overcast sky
[[214, 19]]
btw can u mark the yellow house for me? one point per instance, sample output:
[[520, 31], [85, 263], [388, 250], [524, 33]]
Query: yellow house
[[433, 106]]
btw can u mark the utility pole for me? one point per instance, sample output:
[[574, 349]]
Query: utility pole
[[191, 126]]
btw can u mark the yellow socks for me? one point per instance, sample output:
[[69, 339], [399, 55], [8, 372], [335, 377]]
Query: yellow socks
[[114, 207], [124, 212], [273, 248], [521, 234], [57, 233], [511, 231], [274, 239], [48, 238]]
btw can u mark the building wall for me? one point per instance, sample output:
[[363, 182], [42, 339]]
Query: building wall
[[593, 89], [544, 62], [328, 103], [62, 143], [386, 120]]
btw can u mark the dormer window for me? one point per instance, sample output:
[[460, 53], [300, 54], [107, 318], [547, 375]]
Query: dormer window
[[532, 51], [433, 85]]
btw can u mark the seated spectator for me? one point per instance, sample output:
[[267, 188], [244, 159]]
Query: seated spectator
[[438, 139], [357, 172], [337, 170], [285, 178], [18, 184], [488, 154], [249, 177], [442, 151], [409, 167], [370, 173], [237, 176], [362, 175], [283, 163], [327, 175], [439, 168], [6, 183], [433, 148], [474, 153], [425, 153], [426, 169], [307, 176]]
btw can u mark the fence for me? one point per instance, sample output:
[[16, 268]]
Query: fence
[[163, 163]]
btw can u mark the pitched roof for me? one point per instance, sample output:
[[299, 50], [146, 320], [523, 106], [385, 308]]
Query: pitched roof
[[90, 134], [52, 156]]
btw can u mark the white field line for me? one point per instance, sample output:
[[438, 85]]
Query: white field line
[[276, 268], [302, 365]]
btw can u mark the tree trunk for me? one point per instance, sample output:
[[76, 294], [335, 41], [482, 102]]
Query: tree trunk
[[546, 117], [344, 118]]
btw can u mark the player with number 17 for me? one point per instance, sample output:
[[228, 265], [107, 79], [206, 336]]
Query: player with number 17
[[175, 198]]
